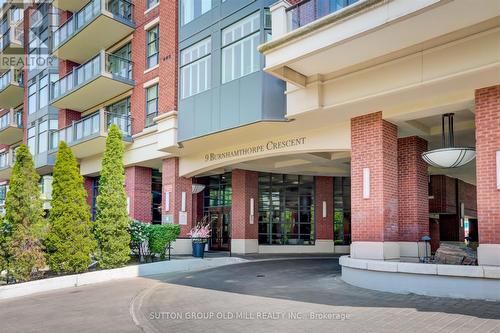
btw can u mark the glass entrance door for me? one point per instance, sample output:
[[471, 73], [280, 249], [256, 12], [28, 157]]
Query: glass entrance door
[[220, 222]]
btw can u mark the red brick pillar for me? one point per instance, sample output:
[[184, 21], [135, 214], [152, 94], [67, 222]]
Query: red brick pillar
[[374, 163], [413, 185], [488, 195], [138, 188], [174, 187], [244, 226], [324, 224]]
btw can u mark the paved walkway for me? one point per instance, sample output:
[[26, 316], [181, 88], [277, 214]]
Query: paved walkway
[[264, 296]]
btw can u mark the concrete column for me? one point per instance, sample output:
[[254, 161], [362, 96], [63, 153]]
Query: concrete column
[[374, 188], [488, 174], [279, 19], [413, 203], [138, 188], [244, 225]]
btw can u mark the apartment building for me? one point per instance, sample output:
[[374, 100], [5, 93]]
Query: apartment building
[[293, 126]]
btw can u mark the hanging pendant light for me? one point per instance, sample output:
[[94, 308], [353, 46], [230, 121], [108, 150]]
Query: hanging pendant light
[[449, 156]]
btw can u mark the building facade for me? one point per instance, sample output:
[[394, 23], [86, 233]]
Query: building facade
[[291, 126]]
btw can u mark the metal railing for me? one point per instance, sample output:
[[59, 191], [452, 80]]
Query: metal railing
[[11, 118], [14, 33], [103, 62], [121, 9], [308, 11], [90, 127], [13, 76]]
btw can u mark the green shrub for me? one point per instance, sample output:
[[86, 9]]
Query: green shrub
[[112, 221], [70, 242], [159, 237], [24, 214]]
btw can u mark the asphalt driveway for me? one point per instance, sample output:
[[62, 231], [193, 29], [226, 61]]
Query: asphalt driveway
[[259, 296]]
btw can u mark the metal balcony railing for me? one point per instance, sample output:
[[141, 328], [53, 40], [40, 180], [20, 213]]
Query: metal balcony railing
[[121, 9], [308, 11], [99, 65], [13, 76], [90, 127]]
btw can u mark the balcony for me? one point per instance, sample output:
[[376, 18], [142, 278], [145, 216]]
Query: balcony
[[308, 11], [70, 5], [102, 78], [87, 137], [6, 163], [11, 42], [97, 26], [11, 127], [11, 89]]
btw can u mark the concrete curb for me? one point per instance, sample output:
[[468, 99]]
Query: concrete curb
[[56, 283]]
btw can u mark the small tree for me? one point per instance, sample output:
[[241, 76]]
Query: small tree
[[112, 221], [70, 241], [24, 219]]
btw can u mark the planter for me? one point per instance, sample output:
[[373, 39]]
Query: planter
[[198, 249]]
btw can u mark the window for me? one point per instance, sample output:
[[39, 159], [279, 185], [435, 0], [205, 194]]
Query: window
[[43, 136], [44, 91], [239, 53], [156, 194], [286, 209], [119, 114], [151, 104], [3, 193], [153, 47], [196, 68], [152, 3], [32, 140], [191, 9], [342, 210], [32, 98]]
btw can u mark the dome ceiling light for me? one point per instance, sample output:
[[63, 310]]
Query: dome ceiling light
[[197, 188], [449, 156]]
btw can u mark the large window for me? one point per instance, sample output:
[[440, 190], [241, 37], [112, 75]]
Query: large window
[[218, 192], [119, 114], [196, 68], [151, 104], [152, 3], [239, 53], [32, 140], [342, 210], [43, 136], [44, 91], [153, 46], [32, 99], [191, 9], [286, 209]]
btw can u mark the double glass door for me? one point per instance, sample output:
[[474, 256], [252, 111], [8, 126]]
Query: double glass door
[[220, 222]]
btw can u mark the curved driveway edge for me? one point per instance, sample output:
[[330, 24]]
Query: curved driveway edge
[[143, 270]]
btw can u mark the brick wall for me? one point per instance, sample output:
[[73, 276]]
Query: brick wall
[[413, 201], [176, 185], [374, 146], [138, 188], [167, 69], [324, 192], [245, 185], [487, 144]]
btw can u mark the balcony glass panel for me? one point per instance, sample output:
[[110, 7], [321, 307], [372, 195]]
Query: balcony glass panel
[[121, 9], [87, 128], [4, 160], [5, 121], [118, 67], [9, 77], [308, 11]]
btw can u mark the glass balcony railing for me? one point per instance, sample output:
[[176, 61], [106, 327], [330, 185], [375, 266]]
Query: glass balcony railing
[[91, 127], [13, 34], [119, 68], [7, 120], [14, 76], [121, 9], [308, 11], [5, 160]]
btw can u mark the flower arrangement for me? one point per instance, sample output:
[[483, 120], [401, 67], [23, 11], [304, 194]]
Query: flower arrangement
[[201, 232]]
